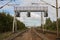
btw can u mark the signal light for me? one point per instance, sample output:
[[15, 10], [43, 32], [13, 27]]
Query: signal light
[[46, 14], [17, 14], [28, 14]]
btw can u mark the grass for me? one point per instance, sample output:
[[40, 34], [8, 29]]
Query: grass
[[7, 34], [4, 35]]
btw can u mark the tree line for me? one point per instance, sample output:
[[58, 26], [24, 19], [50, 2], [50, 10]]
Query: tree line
[[6, 23], [51, 25]]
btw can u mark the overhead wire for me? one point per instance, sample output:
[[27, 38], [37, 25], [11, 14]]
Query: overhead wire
[[5, 4], [50, 4]]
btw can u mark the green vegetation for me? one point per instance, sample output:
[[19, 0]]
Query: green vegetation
[[49, 25], [6, 23], [4, 35]]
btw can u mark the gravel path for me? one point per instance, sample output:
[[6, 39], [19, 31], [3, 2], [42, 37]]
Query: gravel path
[[29, 35]]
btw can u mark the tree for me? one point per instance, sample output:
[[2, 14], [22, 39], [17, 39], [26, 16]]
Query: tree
[[51, 25], [6, 21], [48, 23]]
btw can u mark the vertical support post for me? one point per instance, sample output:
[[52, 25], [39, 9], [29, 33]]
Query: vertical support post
[[46, 24], [42, 22], [57, 17], [42, 25], [14, 29], [13, 22]]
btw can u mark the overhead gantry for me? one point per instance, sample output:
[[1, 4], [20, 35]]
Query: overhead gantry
[[28, 9]]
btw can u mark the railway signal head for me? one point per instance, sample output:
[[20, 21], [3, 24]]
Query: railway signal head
[[28, 14], [46, 14], [17, 14]]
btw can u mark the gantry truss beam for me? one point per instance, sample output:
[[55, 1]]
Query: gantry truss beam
[[32, 8]]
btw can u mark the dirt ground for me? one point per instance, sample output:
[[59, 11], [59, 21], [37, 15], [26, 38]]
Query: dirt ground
[[31, 35], [50, 36], [28, 36]]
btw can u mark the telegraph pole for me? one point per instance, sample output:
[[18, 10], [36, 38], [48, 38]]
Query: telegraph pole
[[41, 20], [57, 27], [57, 18]]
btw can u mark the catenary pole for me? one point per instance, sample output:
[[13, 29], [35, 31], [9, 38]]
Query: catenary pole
[[57, 17]]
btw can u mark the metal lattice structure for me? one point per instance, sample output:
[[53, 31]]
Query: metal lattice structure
[[28, 9], [31, 8]]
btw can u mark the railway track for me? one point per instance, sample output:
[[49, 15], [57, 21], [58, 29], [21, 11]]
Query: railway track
[[46, 31], [14, 35], [41, 35], [49, 34], [30, 34]]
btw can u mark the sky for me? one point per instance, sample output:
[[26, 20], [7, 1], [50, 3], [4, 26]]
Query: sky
[[35, 19]]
